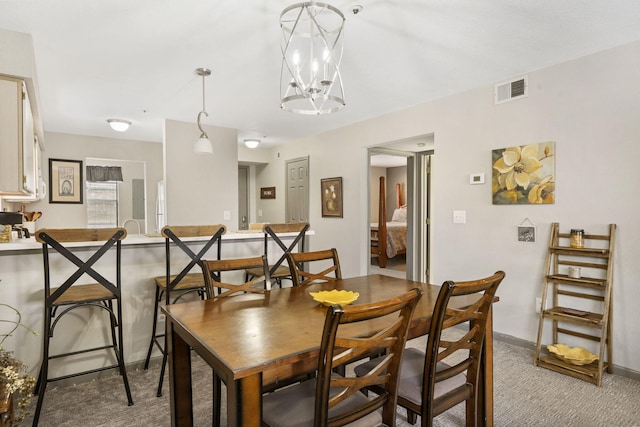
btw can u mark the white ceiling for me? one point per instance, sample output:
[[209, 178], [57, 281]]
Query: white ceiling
[[135, 59]]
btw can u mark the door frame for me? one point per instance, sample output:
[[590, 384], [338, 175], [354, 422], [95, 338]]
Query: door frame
[[418, 210]]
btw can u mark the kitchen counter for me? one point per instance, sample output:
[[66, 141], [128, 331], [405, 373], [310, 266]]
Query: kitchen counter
[[30, 244], [143, 258]]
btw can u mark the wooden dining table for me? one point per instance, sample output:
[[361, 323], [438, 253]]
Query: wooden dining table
[[251, 340]]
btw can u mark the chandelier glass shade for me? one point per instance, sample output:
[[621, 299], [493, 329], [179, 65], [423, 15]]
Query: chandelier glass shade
[[202, 145], [312, 46]]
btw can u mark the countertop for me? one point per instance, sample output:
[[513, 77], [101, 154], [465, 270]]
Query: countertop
[[30, 244]]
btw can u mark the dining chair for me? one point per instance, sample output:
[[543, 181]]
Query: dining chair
[[104, 267], [212, 271], [336, 400], [301, 270], [217, 288], [447, 373], [277, 270], [173, 287]]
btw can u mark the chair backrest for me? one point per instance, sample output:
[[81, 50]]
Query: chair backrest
[[271, 230], [212, 271], [299, 261], [466, 350], [175, 234], [55, 239], [338, 348]]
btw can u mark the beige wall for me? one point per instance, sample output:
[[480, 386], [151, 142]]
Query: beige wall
[[588, 106], [201, 187]]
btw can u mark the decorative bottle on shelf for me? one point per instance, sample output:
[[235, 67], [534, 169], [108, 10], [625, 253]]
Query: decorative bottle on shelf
[[577, 238]]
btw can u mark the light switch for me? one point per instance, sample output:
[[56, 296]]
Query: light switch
[[227, 215], [260, 212], [459, 217]]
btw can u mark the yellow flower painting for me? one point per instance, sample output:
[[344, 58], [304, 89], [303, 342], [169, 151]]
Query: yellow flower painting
[[524, 174]]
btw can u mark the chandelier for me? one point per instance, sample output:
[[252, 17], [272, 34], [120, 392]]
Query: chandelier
[[310, 81]]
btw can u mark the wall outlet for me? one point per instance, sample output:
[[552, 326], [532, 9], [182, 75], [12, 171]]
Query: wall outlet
[[538, 304], [227, 215]]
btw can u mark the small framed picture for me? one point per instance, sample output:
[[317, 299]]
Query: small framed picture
[[268, 192], [526, 233], [331, 189], [65, 181]]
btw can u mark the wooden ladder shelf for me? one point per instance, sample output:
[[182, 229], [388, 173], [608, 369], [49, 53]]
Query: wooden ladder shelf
[[578, 307]]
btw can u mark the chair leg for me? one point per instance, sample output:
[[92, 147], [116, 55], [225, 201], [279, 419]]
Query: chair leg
[[41, 384], [412, 417], [153, 327], [120, 352], [162, 369]]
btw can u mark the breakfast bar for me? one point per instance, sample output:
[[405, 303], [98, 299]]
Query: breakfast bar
[[143, 258]]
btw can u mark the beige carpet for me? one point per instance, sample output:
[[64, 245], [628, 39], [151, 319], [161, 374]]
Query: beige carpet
[[524, 396]]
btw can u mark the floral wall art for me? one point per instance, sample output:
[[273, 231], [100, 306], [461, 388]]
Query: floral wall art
[[524, 174]]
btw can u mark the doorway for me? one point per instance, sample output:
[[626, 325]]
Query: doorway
[[418, 153], [243, 197]]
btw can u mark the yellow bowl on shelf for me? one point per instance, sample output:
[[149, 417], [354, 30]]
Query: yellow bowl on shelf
[[573, 355], [335, 297]]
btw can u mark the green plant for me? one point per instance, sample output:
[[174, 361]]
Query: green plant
[[14, 378]]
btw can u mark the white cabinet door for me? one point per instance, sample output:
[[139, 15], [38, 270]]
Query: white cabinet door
[[10, 136], [18, 162], [28, 147]]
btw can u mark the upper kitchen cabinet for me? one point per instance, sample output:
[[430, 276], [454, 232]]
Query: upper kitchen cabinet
[[18, 169], [21, 130]]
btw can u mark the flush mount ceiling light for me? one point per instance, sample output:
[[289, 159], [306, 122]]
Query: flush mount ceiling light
[[310, 81], [119, 125], [203, 145], [252, 143]]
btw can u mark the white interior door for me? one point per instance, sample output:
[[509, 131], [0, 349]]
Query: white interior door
[[297, 201]]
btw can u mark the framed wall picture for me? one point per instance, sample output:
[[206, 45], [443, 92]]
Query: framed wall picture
[[331, 189], [65, 181], [268, 192]]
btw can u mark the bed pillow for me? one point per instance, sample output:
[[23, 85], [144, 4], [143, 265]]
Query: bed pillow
[[399, 215]]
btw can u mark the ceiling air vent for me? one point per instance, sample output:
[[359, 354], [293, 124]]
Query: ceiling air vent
[[511, 89]]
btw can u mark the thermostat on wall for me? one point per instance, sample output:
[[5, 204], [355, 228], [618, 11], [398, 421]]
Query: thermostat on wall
[[476, 178]]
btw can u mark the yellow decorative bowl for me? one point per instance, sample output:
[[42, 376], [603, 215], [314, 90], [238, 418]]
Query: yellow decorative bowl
[[573, 355], [335, 297]]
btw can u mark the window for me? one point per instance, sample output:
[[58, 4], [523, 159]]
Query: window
[[102, 204]]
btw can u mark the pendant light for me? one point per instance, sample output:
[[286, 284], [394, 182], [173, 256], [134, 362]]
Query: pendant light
[[203, 145]]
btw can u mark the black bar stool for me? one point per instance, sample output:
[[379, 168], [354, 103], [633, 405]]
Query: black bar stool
[[176, 286], [70, 296]]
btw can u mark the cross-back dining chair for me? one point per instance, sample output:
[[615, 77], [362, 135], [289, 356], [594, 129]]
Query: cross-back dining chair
[[301, 268], [278, 270], [105, 270], [336, 400], [172, 287], [432, 384], [217, 288]]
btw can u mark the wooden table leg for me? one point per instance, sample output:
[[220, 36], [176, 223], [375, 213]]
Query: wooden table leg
[[244, 402], [179, 378]]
